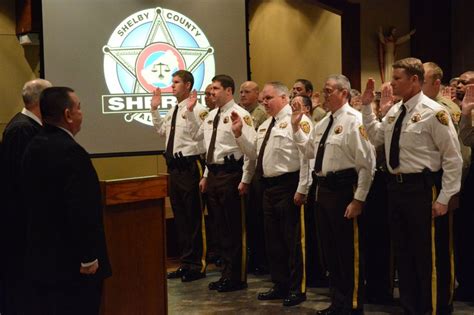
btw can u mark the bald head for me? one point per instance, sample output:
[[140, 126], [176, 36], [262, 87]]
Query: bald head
[[248, 94], [31, 92]]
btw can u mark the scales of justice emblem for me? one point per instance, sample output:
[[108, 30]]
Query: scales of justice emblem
[[141, 55]]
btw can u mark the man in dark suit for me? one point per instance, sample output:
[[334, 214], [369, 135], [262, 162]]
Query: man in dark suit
[[66, 257], [16, 136]]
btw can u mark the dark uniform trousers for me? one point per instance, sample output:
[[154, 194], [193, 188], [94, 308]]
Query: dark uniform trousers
[[187, 206], [341, 246], [424, 246], [379, 259], [223, 197], [255, 230], [315, 263], [464, 234], [284, 230]]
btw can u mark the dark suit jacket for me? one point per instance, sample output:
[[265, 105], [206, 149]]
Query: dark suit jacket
[[16, 136], [64, 209]]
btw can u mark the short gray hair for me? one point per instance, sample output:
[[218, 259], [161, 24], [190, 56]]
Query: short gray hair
[[32, 90], [281, 88], [342, 82]]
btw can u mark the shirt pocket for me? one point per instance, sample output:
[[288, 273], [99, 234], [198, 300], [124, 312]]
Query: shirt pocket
[[282, 140], [412, 136], [333, 149]]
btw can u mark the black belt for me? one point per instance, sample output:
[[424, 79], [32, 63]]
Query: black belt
[[338, 179], [181, 162], [285, 178], [226, 168], [427, 176]]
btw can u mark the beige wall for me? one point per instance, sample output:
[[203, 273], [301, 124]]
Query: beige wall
[[17, 64], [375, 13], [293, 39]]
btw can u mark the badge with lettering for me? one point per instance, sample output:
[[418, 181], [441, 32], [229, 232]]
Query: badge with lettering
[[143, 52], [443, 117], [363, 132], [338, 129], [283, 125], [391, 119], [248, 120], [203, 114], [262, 130], [416, 117], [226, 119], [305, 126]]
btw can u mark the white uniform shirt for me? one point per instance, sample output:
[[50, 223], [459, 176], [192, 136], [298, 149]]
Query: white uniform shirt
[[347, 146], [225, 144], [183, 138], [427, 140], [281, 154]]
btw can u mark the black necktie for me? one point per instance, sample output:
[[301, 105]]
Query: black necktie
[[259, 168], [395, 144], [318, 164], [212, 144], [170, 145]]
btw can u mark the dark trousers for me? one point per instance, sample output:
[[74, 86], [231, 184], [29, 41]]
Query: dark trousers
[[283, 232], [341, 246], [223, 197], [464, 234], [315, 264], [78, 297], [379, 260], [188, 213], [255, 229], [423, 248]]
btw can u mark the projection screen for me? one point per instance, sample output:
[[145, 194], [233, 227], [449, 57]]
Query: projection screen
[[113, 53]]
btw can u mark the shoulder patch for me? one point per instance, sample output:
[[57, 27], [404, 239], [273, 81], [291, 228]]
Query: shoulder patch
[[203, 114], [248, 120], [443, 117], [305, 126], [363, 132], [456, 117]]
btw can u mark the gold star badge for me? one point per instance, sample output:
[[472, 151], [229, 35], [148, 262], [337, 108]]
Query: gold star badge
[[363, 132], [283, 125], [443, 117], [305, 126], [248, 120], [226, 119], [203, 114], [338, 129], [416, 117], [391, 119]]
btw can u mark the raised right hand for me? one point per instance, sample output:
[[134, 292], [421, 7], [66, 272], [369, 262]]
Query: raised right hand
[[156, 99], [369, 94], [298, 110]]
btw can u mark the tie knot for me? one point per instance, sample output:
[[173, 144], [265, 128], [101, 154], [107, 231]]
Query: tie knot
[[403, 108]]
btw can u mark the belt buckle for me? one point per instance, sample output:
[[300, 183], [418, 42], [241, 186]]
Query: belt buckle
[[399, 178]]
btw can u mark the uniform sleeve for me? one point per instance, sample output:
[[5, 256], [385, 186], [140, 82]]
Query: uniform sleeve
[[304, 182], [249, 135], [248, 146], [466, 131], [194, 125], [159, 122], [446, 140], [364, 158], [305, 142], [375, 128]]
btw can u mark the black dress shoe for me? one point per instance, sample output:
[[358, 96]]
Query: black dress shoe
[[215, 284], [331, 310], [192, 275], [178, 273], [294, 299], [273, 294], [230, 286]]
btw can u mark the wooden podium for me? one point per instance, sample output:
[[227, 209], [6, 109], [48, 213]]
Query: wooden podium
[[134, 220]]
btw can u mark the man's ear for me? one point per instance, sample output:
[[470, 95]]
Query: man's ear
[[67, 115], [437, 83]]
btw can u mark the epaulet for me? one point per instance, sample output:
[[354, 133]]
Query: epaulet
[[432, 105]]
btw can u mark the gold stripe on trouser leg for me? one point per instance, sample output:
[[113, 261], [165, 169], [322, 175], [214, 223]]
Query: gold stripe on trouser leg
[[203, 224], [451, 257], [355, 227], [243, 271], [434, 289], [303, 249]]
